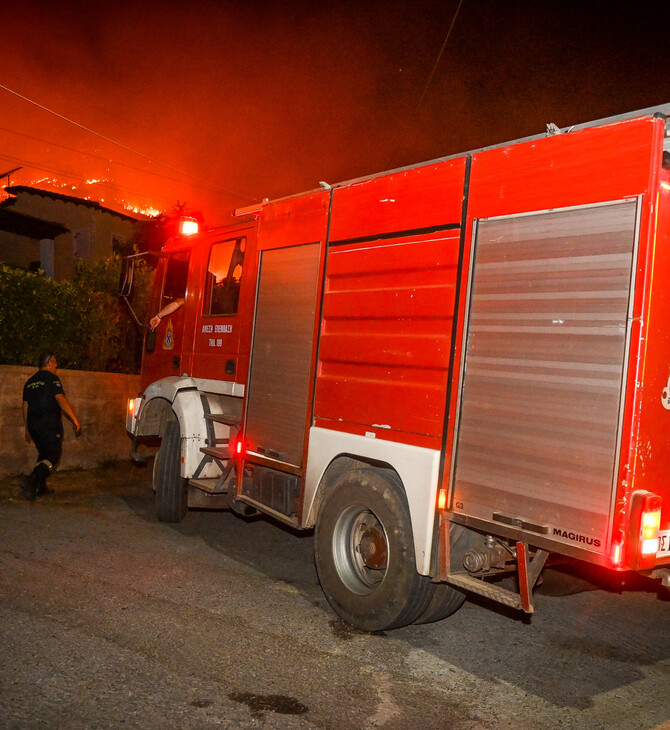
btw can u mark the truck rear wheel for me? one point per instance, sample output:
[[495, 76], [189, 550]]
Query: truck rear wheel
[[171, 489], [445, 600], [364, 553]]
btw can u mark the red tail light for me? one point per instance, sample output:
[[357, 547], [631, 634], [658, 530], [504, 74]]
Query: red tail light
[[650, 526], [644, 527], [237, 447]]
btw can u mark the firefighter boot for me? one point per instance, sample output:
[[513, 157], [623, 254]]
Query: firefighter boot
[[41, 473], [28, 486]]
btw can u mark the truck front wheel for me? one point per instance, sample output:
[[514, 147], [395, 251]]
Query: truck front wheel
[[364, 552], [171, 490]]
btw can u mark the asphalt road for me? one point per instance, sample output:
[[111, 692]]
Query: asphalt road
[[110, 619]]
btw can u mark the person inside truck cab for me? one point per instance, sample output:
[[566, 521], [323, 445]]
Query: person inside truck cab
[[172, 306]]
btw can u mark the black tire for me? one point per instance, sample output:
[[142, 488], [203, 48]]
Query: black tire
[[445, 600], [364, 552], [171, 489]]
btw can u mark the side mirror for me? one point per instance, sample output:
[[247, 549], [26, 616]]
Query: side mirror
[[125, 286], [126, 276]]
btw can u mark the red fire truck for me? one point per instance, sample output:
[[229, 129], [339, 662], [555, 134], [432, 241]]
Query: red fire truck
[[450, 370]]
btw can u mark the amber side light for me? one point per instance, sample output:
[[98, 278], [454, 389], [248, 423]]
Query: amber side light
[[134, 405]]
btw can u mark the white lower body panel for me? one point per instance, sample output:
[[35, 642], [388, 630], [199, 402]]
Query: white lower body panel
[[418, 469]]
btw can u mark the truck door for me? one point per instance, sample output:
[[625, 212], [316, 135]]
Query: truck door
[[280, 374], [164, 348], [217, 333], [545, 359]]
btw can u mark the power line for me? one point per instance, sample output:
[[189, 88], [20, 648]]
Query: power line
[[76, 176], [107, 184], [439, 56], [106, 160], [428, 83], [118, 144]]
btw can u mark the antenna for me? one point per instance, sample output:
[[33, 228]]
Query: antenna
[[8, 173]]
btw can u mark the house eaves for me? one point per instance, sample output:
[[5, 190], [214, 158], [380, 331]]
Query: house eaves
[[29, 226], [16, 189]]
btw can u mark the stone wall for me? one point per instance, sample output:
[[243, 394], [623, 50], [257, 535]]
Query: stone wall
[[98, 399]]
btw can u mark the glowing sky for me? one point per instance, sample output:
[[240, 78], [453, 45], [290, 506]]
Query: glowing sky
[[231, 102]]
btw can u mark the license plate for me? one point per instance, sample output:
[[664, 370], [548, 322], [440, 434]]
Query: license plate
[[664, 546]]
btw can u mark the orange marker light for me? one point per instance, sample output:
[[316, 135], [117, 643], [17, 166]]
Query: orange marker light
[[442, 499]]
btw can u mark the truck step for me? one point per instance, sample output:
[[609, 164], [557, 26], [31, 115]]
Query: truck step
[[222, 453], [221, 418], [207, 485], [488, 590]]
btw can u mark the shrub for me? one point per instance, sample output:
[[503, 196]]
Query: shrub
[[82, 321]]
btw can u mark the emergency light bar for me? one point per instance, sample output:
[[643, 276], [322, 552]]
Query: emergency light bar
[[188, 226]]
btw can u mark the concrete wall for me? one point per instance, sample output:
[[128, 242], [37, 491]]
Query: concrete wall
[[98, 399]]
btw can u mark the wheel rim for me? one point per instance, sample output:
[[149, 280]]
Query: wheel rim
[[360, 550]]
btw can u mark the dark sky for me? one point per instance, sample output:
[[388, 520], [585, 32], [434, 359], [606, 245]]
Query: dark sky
[[231, 102]]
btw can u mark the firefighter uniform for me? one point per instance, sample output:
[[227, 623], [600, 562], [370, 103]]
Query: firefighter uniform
[[43, 404], [44, 420]]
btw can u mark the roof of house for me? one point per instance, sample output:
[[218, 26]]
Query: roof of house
[[16, 189], [28, 225]]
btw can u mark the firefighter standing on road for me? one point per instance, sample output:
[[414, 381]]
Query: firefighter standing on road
[[43, 404]]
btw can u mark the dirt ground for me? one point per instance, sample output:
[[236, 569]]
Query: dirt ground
[[111, 619]]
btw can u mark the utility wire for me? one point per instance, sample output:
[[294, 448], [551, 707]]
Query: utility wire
[[102, 159], [65, 173], [118, 144], [428, 83], [439, 56]]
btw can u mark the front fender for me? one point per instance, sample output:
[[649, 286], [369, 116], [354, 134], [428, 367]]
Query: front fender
[[170, 398], [187, 400]]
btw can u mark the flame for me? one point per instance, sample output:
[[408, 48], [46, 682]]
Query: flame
[[147, 210], [47, 182]]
